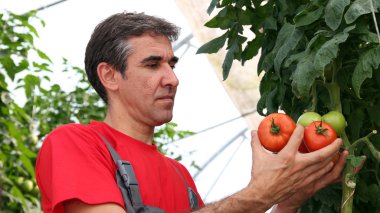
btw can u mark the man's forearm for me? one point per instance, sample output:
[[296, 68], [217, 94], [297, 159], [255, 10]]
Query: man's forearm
[[242, 201]]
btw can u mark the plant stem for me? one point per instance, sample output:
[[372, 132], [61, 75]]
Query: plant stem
[[349, 176]]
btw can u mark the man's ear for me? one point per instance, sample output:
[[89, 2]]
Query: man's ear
[[108, 76]]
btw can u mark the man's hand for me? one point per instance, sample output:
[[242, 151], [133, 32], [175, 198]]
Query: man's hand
[[278, 177], [295, 201], [283, 178]]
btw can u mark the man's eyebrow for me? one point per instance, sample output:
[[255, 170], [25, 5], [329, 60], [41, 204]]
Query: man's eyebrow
[[174, 59], [154, 58]]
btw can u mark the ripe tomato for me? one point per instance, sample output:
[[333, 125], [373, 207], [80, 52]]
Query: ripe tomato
[[336, 120], [275, 130], [303, 148], [308, 117], [318, 135]]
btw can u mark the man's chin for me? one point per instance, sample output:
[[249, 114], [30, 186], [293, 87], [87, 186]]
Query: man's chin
[[162, 121]]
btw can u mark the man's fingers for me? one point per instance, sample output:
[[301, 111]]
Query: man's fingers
[[322, 154], [318, 174], [294, 141]]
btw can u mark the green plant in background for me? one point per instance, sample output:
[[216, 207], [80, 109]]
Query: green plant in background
[[23, 67], [316, 55]]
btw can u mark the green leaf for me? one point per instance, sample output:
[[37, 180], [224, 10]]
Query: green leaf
[[355, 161], [329, 49], [304, 76], [308, 17], [224, 19], [358, 8], [290, 38], [31, 82], [368, 62], [282, 38], [213, 46], [252, 48], [334, 12], [212, 6], [28, 165], [43, 55], [227, 63]]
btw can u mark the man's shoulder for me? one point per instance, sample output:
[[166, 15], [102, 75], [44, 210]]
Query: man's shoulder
[[70, 128], [71, 133]]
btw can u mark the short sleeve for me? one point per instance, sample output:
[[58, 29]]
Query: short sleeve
[[73, 163]]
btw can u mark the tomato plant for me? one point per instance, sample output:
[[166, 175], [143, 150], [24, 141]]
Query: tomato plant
[[336, 120], [308, 117], [275, 130], [321, 56], [318, 134]]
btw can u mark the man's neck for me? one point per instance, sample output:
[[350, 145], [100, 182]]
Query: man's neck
[[130, 127]]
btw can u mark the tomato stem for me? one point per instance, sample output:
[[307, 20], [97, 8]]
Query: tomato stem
[[274, 128], [320, 130], [366, 141]]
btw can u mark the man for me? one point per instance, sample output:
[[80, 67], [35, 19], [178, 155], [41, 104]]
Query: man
[[130, 61]]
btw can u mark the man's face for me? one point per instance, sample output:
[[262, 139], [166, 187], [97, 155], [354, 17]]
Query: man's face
[[148, 89]]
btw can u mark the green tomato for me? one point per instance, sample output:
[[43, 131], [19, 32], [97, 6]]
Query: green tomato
[[28, 185], [20, 180], [308, 117], [336, 120]]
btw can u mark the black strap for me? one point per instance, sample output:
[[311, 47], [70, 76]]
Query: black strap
[[128, 185], [192, 197], [126, 180]]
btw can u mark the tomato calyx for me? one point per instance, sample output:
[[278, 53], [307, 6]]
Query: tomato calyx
[[320, 130], [274, 128]]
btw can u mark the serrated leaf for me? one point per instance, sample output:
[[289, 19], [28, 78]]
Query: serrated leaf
[[330, 48], [367, 62], [227, 63], [334, 12], [291, 38], [223, 20], [252, 48], [358, 8], [212, 6], [213, 46], [268, 60], [307, 17], [304, 76]]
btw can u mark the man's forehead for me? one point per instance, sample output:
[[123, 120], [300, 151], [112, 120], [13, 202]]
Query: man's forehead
[[147, 45]]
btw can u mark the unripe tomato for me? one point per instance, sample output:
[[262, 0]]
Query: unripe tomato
[[318, 135], [275, 130], [336, 120], [308, 117], [20, 180], [28, 185]]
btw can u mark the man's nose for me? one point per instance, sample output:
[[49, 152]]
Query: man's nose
[[170, 78]]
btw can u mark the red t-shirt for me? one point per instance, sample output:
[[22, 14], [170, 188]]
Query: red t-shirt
[[74, 162]]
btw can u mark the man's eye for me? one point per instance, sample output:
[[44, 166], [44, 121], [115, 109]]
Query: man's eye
[[152, 65]]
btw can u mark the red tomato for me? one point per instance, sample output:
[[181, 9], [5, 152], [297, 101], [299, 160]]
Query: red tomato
[[275, 130], [318, 135], [303, 148]]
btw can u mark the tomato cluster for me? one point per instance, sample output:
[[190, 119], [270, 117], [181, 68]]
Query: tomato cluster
[[275, 130], [321, 131]]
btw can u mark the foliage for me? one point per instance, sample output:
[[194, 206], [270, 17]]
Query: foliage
[[316, 55], [23, 67]]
